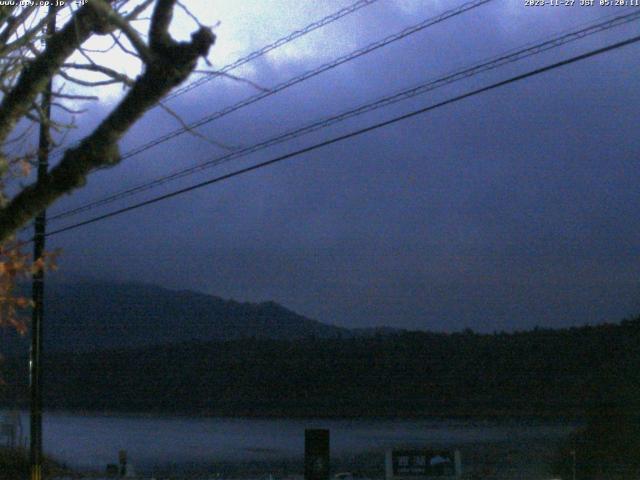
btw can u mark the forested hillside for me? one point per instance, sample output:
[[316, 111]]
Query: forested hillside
[[539, 372], [88, 316]]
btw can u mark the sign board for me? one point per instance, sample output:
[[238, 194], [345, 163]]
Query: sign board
[[316, 454], [422, 463]]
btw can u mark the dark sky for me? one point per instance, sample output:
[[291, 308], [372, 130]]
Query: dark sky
[[514, 208]]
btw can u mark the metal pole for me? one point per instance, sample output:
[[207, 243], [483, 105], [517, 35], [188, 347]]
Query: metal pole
[[35, 360]]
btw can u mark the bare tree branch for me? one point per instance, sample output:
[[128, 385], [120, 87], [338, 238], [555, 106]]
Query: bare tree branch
[[109, 72], [37, 74], [160, 20], [105, 10], [70, 96], [12, 25], [169, 64], [116, 40], [86, 83], [194, 132], [135, 13]]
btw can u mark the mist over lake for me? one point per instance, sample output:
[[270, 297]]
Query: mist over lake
[[90, 442]]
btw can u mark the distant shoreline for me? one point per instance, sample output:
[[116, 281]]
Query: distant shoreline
[[576, 417]]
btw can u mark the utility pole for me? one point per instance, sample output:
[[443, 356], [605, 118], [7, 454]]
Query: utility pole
[[37, 289]]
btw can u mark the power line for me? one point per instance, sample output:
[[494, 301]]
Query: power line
[[354, 7], [355, 133], [309, 74], [272, 46], [493, 63], [312, 73]]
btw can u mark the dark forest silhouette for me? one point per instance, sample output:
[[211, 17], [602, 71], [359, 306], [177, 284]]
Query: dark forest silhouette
[[543, 372]]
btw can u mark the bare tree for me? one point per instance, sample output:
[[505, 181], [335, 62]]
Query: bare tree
[[30, 57], [26, 71]]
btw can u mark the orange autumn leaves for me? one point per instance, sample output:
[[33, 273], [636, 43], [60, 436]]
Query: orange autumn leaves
[[15, 267]]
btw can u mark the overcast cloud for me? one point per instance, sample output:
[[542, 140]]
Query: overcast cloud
[[514, 208]]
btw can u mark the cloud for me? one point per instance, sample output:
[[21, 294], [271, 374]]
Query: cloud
[[507, 210]]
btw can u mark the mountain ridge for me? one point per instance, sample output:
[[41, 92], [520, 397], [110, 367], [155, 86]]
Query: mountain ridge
[[94, 315]]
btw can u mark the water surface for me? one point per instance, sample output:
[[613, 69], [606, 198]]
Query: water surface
[[92, 441]]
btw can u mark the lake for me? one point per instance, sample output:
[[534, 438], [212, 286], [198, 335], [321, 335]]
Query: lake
[[91, 441]]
